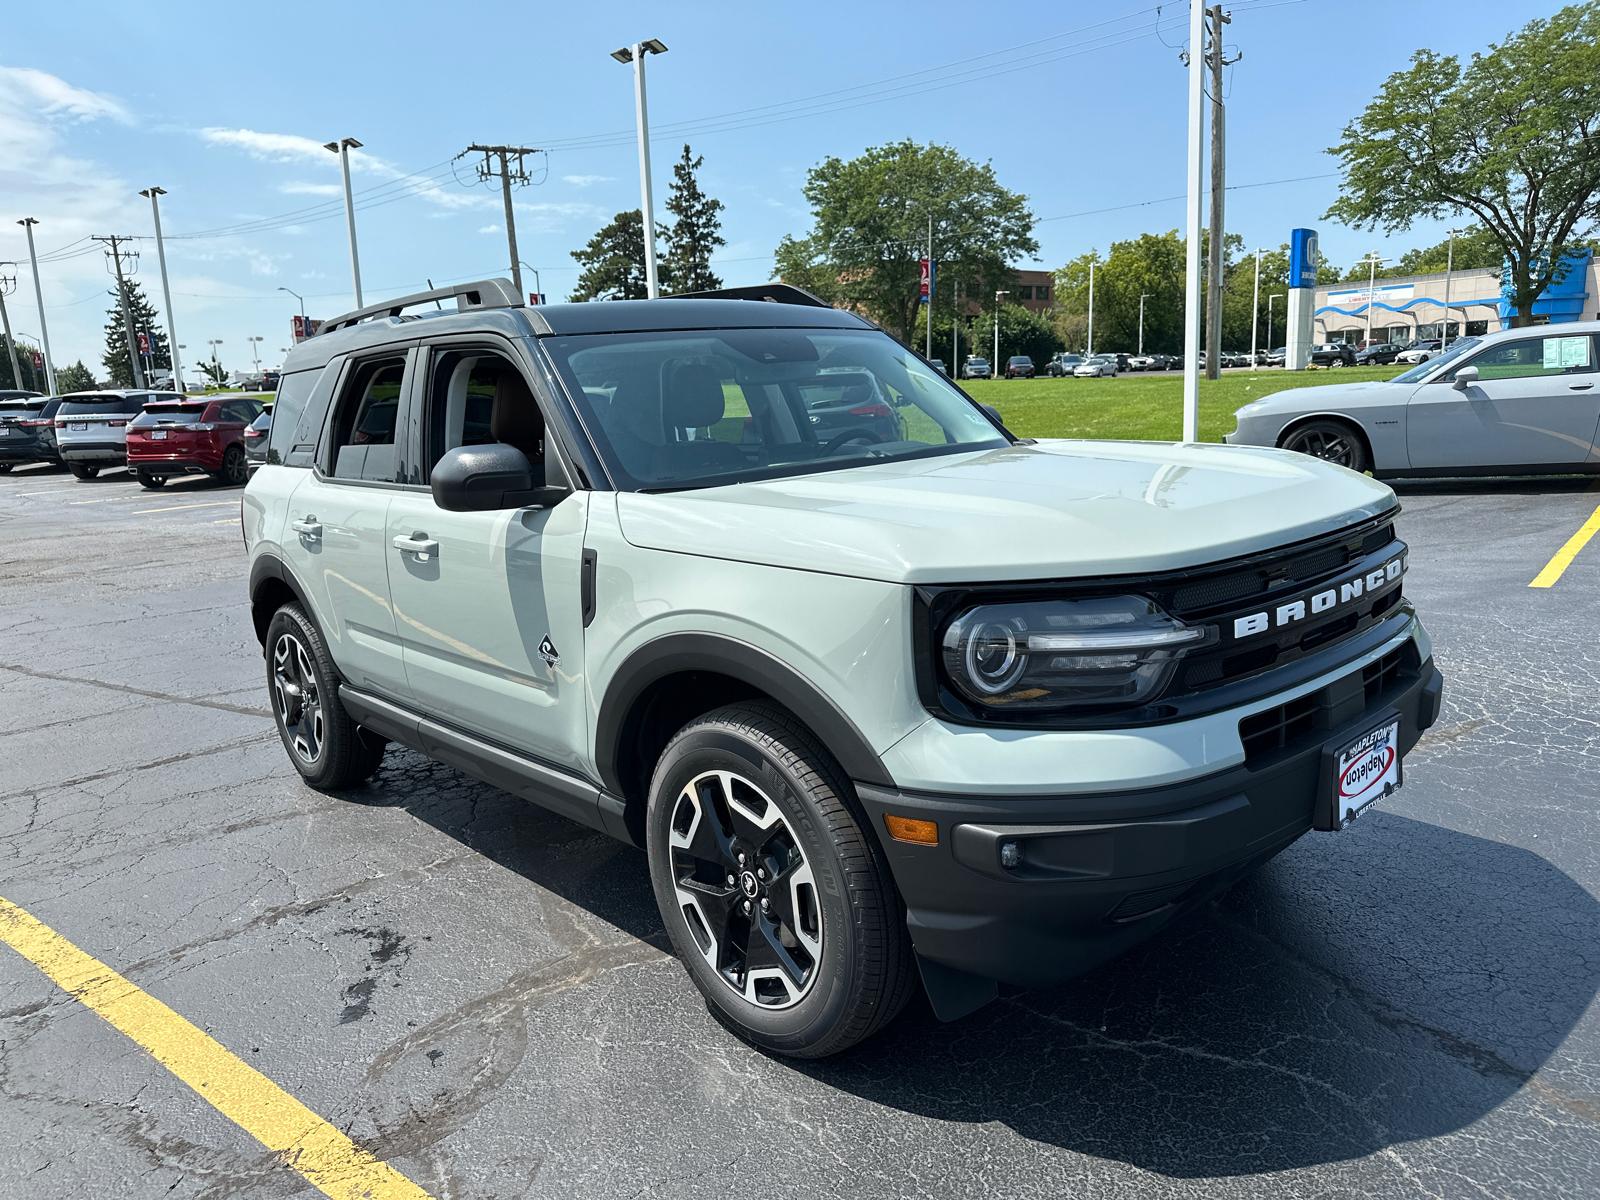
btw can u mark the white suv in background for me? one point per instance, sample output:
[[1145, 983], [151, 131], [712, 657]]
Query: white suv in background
[[92, 427]]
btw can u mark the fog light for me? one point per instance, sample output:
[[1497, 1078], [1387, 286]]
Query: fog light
[[1010, 855]]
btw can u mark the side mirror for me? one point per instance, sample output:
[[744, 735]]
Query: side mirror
[[1465, 378], [488, 478]]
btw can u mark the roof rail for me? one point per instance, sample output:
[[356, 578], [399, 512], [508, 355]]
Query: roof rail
[[484, 293], [773, 293]]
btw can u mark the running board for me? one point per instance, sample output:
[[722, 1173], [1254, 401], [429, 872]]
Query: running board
[[549, 787]]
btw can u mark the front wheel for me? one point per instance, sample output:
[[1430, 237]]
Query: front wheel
[[776, 895], [328, 749], [1332, 441]]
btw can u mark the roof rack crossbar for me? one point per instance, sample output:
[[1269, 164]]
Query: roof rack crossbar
[[482, 293]]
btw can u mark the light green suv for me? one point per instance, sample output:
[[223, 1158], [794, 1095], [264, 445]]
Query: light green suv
[[888, 695]]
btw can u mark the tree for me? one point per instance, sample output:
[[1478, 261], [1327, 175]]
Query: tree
[[1151, 265], [76, 378], [696, 231], [145, 320], [613, 262], [1513, 138], [213, 370], [32, 378], [870, 227]]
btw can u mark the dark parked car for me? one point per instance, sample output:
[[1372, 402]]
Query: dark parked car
[[1378, 354], [1333, 354], [1019, 366], [842, 402], [27, 432], [255, 438]]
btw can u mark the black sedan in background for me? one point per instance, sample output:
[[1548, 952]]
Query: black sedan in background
[[1379, 354], [1019, 366], [27, 432], [1333, 354]]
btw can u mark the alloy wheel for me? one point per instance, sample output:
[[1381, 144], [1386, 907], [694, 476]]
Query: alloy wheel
[[1324, 444], [746, 890], [235, 467], [296, 698]]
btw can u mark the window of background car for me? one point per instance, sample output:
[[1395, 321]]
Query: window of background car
[[467, 386], [243, 411], [1422, 370], [705, 408], [1533, 358], [293, 392], [21, 408], [362, 436], [169, 414], [101, 405]]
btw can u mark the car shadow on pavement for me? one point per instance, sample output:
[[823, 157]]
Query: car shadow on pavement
[[1395, 982], [1392, 983], [1525, 485]]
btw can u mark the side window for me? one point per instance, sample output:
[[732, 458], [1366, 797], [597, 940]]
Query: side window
[[362, 442], [1532, 358], [293, 392], [477, 397]]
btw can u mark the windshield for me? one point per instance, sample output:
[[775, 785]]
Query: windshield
[[704, 408], [169, 414], [1422, 370]]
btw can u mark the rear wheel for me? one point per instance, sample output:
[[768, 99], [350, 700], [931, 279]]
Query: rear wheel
[[776, 895], [5, 468], [152, 481], [1333, 441], [328, 749], [235, 467], [83, 471]]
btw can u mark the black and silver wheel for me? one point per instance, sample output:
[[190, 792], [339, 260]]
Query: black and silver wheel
[[147, 480], [325, 745], [776, 895], [1333, 441], [82, 470], [235, 467]]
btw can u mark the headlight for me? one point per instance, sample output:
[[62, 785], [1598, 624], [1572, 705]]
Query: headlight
[[1062, 654]]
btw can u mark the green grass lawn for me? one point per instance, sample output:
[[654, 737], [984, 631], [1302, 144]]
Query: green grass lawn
[[1141, 406]]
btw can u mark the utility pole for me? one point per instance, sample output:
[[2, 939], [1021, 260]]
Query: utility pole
[[28, 223], [929, 355], [507, 175], [342, 148], [1191, 273], [1271, 300], [635, 54], [1219, 171], [1255, 311], [1142, 298], [1449, 264], [955, 328], [8, 284], [1089, 352], [166, 292], [995, 366], [116, 254]]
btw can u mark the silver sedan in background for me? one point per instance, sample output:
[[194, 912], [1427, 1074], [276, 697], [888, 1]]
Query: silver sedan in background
[[1098, 365], [1521, 401]]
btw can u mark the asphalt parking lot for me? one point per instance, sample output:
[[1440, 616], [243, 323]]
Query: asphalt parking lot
[[481, 994]]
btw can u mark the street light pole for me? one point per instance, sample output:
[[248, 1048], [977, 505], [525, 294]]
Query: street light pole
[[1142, 296], [1191, 286], [166, 292], [255, 357], [1373, 261], [342, 148], [214, 343], [929, 355], [38, 294], [1090, 350], [1270, 300], [1449, 262], [1255, 311], [995, 366], [635, 54], [302, 300]]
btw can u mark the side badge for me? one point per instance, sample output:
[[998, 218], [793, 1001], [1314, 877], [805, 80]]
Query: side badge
[[547, 650]]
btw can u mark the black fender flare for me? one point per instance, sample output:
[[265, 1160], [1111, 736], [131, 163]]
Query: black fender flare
[[270, 566], [684, 652]]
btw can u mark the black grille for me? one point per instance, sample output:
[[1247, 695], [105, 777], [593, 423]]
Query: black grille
[[1376, 676], [1263, 577], [1274, 728]]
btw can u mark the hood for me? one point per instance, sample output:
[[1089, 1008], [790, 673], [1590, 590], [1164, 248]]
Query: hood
[[1305, 399], [1057, 509]]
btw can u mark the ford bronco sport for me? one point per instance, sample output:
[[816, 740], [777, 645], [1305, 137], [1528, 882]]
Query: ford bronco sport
[[932, 704]]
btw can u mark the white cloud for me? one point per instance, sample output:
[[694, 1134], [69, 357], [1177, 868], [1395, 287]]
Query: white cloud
[[585, 180], [24, 84], [298, 188], [277, 147], [489, 229]]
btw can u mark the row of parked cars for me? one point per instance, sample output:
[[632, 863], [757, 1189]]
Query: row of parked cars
[[157, 435]]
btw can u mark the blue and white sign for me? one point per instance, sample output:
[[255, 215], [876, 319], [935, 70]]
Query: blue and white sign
[[1303, 258]]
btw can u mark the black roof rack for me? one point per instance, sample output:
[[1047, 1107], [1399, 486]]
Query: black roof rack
[[483, 293], [772, 293]]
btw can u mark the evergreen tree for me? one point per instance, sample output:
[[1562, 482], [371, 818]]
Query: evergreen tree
[[145, 320], [613, 262], [696, 230], [32, 377], [76, 378]]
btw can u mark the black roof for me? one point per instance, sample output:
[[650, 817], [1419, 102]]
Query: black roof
[[643, 316]]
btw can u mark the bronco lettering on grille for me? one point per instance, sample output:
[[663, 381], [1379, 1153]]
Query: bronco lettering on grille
[[1325, 600]]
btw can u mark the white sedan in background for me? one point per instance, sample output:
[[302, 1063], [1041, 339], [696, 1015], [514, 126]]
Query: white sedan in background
[[1100, 364]]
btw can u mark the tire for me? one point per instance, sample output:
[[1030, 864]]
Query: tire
[[147, 480], [836, 964], [82, 470], [1336, 364], [1332, 441], [235, 467], [328, 749], [5, 468]]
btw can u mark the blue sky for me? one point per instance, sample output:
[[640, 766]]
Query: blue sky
[[226, 107]]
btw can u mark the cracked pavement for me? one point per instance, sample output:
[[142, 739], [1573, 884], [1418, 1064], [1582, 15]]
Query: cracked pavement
[[481, 992]]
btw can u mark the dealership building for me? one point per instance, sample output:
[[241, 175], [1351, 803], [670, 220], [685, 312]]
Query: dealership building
[[1411, 308]]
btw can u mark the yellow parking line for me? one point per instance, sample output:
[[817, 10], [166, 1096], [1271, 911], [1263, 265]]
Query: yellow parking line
[[215, 504], [328, 1159], [1564, 556], [227, 521]]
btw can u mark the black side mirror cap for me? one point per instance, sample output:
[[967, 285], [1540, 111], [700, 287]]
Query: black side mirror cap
[[489, 478]]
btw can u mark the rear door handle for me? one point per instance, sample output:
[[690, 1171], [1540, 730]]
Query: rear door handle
[[307, 528], [417, 543], [1580, 387]]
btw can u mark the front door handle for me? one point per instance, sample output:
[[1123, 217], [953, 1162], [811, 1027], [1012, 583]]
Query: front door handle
[[308, 528], [417, 543], [1580, 387]]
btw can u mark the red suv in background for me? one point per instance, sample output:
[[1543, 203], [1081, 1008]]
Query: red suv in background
[[191, 437]]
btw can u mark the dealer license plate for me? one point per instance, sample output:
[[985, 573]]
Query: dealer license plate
[[159, 435], [79, 426], [1366, 771]]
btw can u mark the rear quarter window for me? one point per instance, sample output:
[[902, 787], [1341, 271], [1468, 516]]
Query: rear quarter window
[[297, 416]]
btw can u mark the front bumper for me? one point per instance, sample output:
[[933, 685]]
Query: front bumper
[[1102, 872]]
